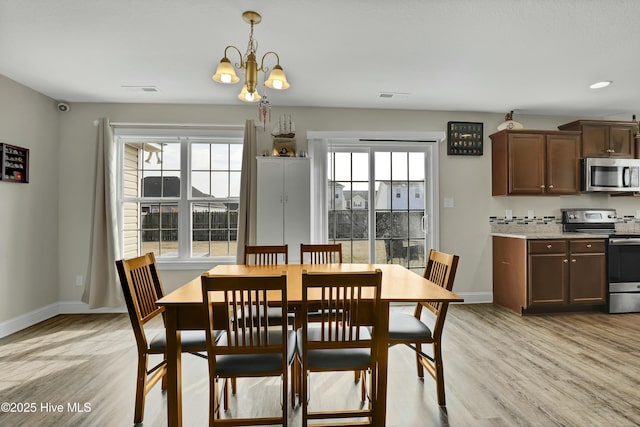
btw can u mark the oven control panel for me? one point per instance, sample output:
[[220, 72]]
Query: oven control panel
[[585, 216]]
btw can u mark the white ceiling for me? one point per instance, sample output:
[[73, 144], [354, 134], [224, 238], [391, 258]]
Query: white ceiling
[[532, 56]]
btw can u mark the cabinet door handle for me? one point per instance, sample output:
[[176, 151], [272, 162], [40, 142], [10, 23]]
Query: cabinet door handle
[[549, 246], [565, 261], [542, 186], [551, 186], [589, 245], [573, 260]]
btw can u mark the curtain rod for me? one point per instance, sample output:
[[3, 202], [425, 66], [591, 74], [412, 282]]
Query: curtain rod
[[175, 125]]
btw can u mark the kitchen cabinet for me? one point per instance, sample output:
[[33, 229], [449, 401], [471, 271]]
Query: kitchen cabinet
[[535, 162], [536, 276], [605, 138], [283, 203]]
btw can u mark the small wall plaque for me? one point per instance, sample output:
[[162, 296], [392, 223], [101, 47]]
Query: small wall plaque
[[464, 139]]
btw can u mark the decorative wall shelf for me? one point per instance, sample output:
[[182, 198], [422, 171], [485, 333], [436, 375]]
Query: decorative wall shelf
[[15, 163]]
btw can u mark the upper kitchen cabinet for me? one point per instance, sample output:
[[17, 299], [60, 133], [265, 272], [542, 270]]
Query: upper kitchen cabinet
[[605, 138], [535, 162]]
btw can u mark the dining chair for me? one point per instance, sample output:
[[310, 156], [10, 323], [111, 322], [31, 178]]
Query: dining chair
[[268, 255], [425, 327], [323, 253], [246, 349], [142, 287], [343, 339], [329, 253]]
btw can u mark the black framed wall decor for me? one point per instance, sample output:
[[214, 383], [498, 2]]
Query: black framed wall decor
[[464, 138]]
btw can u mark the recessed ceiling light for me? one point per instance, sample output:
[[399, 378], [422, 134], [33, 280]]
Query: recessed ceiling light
[[599, 85]]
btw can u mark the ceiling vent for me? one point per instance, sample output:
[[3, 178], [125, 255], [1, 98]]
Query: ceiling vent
[[396, 95], [140, 88]]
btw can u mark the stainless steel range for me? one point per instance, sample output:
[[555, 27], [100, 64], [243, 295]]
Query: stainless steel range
[[623, 255]]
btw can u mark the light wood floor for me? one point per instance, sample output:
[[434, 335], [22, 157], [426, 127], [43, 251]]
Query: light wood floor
[[500, 370]]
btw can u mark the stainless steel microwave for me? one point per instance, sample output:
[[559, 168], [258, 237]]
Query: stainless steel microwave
[[612, 175]]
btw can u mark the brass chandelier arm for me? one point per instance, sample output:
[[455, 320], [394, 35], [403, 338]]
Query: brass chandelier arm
[[266, 69], [241, 65]]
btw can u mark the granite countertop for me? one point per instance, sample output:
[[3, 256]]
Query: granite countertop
[[550, 235]]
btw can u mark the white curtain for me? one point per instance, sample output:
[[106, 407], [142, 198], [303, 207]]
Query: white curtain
[[247, 208], [318, 151], [103, 286]]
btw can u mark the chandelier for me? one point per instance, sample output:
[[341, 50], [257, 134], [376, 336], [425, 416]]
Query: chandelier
[[225, 73]]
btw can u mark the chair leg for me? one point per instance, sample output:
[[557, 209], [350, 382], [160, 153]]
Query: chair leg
[[418, 364], [214, 401], [304, 397], [163, 384], [141, 385], [363, 386], [226, 393], [295, 380], [439, 371], [356, 376], [233, 386]]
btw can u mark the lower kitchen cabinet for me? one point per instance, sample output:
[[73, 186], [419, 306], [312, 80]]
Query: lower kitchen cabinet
[[536, 276]]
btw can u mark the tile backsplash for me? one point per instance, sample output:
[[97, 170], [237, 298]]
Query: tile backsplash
[[551, 224], [547, 224]]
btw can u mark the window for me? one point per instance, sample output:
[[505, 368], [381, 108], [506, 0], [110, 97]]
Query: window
[[179, 192], [393, 229]]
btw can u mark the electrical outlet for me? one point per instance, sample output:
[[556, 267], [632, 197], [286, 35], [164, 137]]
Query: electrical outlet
[[79, 280], [508, 214], [530, 214]]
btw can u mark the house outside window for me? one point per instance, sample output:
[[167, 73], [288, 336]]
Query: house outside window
[[178, 193]]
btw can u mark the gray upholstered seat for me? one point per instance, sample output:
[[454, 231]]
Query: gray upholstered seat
[[249, 364], [335, 359], [191, 340], [407, 327]]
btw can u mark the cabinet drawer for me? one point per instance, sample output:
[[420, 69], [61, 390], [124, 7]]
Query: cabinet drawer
[[586, 246], [547, 246]]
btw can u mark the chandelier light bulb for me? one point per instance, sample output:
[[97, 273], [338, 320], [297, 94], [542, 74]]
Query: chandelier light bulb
[[225, 78]]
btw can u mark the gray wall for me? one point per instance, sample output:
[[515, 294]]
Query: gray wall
[[29, 212]]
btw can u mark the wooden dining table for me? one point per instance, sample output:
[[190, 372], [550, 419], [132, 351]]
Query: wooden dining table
[[183, 310]]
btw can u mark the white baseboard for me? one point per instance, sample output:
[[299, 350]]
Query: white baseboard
[[476, 297], [77, 307], [23, 321], [18, 323]]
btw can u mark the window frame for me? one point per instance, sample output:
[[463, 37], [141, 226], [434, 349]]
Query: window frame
[[185, 136]]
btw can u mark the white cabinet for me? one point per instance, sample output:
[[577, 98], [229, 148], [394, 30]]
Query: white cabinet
[[284, 199]]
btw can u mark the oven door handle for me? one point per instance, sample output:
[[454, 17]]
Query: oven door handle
[[621, 242]]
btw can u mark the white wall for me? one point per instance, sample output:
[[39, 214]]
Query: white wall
[[29, 212]]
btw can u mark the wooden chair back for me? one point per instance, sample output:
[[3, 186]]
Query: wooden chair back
[[441, 270], [348, 303], [266, 255], [141, 287], [230, 295], [321, 253]]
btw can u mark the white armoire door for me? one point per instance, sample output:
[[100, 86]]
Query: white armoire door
[[283, 199]]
